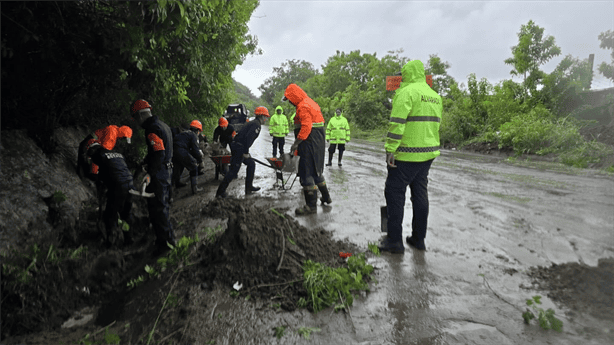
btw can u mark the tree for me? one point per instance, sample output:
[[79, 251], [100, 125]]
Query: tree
[[439, 70], [83, 62], [532, 51], [607, 42], [291, 71]]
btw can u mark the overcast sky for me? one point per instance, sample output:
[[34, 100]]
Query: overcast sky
[[473, 36]]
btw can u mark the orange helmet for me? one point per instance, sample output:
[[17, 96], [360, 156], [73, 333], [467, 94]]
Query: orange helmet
[[262, 111], [125, 132], [223, 122], [196, 124], [139, 105]]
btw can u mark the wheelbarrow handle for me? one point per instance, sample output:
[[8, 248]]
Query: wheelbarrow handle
[[263, 163]]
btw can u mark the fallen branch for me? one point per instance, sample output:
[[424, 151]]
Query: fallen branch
[[283, 249], [213, 311], [266, 285], [161, 309]]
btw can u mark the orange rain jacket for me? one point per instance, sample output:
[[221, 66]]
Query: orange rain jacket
[[308, 111]]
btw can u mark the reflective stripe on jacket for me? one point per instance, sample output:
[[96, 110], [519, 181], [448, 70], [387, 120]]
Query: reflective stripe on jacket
[[413, 133], [338, 130], [278, 124]]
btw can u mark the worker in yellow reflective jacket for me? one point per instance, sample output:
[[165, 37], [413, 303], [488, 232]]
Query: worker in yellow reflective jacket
[[412, 143], [278, 129], [337, 133]]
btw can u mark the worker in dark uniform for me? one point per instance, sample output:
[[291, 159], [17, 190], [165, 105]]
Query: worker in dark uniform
[[224, 133], [240, 154], [107, 137], [116, 177], [159, 167], [310, 143], [187, 155]]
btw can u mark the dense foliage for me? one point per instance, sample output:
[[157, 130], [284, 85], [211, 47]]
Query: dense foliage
[[542, 114], [84, 62]]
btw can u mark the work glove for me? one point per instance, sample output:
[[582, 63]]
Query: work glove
[[390, 159], [246, 156], [294, 147]]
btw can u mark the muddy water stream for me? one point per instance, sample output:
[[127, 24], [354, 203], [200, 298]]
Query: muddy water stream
[[490, 221]]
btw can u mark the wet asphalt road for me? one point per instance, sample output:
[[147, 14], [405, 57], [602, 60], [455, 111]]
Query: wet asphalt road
[[490, 220]]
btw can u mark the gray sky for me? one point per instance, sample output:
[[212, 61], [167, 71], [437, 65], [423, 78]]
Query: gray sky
[[473, 36]]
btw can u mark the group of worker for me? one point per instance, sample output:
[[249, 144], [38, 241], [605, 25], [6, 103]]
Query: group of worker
[[411, 146]]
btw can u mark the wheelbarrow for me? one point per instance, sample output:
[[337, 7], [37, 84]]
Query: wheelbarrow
[[287, 164], [220, 164]]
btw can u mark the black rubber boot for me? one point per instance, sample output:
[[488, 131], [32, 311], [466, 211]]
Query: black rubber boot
[[325, 195], [221, 190], [340, 156], [195, 189], [330, 159], [311, 200]]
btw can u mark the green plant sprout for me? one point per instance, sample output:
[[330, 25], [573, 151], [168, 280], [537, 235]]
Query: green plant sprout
[[306, 331], [280, 331], [546, 319], [373, 248], [135, 282], [58, 196]]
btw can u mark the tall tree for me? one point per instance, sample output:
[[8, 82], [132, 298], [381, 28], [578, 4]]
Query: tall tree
[[532, 51], [442, 81], [291, 71], [607, 42]]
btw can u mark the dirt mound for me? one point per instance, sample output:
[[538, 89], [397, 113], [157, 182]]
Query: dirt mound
[[263, 250], [580, 287]]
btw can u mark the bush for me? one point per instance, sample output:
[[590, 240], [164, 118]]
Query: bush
[[528, 132]]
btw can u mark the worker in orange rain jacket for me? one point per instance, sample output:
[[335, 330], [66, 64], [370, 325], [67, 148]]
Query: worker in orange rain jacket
[[310, 143], [107, 137]]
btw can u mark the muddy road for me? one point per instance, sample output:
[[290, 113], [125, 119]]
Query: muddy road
[[499, 233], [490, 222]]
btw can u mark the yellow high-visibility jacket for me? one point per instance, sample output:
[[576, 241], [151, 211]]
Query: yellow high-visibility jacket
[[413, 133], [278, 124], [338, 130]]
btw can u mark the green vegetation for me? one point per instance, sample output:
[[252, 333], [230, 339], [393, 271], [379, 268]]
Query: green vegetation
[[280, 331], [306, 331], [327, 286], [178, 55], [542, 114], [373, 248], [546, 319], [58, 197]]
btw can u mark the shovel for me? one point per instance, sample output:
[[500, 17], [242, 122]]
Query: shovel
[[143, 193], [289, 162], [263, 163]]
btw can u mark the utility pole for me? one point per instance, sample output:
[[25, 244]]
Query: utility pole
[[591, 58]]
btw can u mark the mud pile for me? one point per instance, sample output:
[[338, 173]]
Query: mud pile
[[264, 250], [580, 287]]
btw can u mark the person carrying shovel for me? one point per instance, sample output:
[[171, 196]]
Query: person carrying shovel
[[310, 143], [239, 148], [159, 169], [116, 177]]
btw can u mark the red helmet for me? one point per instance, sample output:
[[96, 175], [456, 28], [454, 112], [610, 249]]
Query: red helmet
[[223, 122], [139, 105], [196, 124], [262, 111]]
